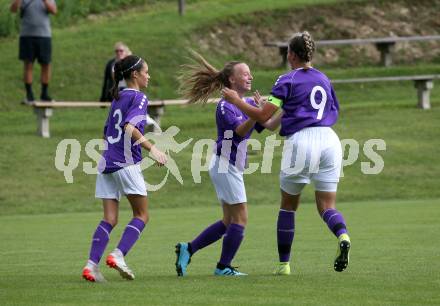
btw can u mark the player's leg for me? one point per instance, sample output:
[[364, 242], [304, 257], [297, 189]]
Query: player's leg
[[208, 236], [286, 225], [326, 204], [132, 232], [100, 240], [326, 184], [233, 237], [294, 175], [131, 183]]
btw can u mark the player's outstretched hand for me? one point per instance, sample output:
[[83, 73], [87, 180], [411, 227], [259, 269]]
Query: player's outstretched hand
[[159, 156], [231, 95], [259, 100]]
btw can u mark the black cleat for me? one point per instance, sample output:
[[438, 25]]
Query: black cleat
[[343, 256]]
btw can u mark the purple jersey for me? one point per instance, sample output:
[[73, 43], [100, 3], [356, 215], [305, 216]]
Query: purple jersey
[[228, 118], [131, 107], [307, 98]]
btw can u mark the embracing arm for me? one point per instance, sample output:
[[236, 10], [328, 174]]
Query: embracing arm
[[245, 127], [258, 114], [273, 123], [137, 136]]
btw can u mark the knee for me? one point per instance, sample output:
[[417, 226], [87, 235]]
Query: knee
[[226, 221], [243, 220], [143, 216], [113, 221], [240, 219]]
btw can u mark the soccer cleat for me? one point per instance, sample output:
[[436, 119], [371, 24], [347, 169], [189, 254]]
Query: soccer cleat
[[91, 273], [283, 268], [343, 253], [183, 258], [116, 261], [228, 271]]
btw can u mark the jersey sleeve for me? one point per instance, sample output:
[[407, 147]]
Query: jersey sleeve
[[136, 114], [280, 91], [227, 117]]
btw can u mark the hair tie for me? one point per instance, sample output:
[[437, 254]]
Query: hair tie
[[132, 66]]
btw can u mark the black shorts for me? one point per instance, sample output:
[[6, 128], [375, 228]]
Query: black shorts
[[31, 48]]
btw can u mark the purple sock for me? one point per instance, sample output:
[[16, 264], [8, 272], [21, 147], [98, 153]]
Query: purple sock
[[285, 233], [231, 243], [131, 234], [100, 241], [335, 221], [210, 235]]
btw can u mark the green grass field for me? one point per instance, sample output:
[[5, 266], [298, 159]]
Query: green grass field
[[46, 224], [394, 259]]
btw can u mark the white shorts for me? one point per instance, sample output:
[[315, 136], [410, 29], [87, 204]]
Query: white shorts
[[128, 180], [228, 181], [312, 154]]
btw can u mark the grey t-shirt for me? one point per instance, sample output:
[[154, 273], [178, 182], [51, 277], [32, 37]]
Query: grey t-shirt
[[35, 21]]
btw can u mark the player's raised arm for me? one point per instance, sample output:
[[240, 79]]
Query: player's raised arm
[[274, 122], [259, 114], [245, 127]]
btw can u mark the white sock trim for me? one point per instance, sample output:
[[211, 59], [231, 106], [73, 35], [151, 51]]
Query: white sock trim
[[134, 227], [102, 227], [289, 211]]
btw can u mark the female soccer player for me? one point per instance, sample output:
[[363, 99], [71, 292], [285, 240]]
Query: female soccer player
[[120, 172], [228, 161], [312, 151]]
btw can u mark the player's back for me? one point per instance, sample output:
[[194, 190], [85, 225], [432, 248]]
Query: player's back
[[308, 99]]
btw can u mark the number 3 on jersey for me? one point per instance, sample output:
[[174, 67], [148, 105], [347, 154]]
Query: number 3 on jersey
[[320, 107], [117, 127]]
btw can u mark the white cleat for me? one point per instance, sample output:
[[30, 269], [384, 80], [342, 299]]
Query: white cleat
[[91, 273], [116, 261]]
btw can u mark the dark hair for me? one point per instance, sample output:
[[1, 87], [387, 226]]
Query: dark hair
[[200, 80], [123, 70], [302, 45]]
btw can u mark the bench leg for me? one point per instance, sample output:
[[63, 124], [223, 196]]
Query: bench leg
[[155, 113], [385, 53], [423, 92], [43, 115]]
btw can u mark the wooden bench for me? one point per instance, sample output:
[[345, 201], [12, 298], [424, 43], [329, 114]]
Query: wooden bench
[[423, 84], [384, 45], [44, 111]]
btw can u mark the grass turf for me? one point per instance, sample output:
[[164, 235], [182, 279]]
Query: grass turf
[[394, 259]]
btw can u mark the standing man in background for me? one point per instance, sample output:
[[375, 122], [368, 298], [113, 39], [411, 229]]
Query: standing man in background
[[35, 41]]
